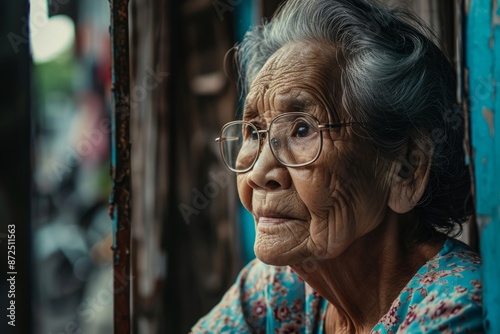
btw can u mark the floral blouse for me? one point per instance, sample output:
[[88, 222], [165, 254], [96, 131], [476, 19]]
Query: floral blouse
[[443, 297]]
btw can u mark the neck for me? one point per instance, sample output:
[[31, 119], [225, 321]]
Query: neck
[[363, 281]]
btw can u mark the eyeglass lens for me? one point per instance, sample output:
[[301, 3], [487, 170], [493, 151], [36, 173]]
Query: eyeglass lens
[[295, 140]]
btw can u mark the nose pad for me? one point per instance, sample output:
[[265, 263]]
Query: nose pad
[[263, 139], [264, 143]]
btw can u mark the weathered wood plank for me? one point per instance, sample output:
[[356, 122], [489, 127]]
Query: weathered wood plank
[[185, 252]]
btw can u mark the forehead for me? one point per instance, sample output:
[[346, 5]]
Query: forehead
[[298, 77]]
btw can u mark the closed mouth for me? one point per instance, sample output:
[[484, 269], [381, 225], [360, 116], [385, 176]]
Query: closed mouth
[[273, 218]]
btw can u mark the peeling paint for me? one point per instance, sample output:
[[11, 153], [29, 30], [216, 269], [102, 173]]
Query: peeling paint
[[496, 12], [483, 221], [488, 116]]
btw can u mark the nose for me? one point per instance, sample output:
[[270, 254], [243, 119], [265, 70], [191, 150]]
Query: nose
[[267, 173]]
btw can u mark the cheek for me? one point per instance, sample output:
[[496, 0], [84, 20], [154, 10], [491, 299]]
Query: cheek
[[341, 187], [332, 223], [315, 188], [361, 186], [244, 192], [351, 172]]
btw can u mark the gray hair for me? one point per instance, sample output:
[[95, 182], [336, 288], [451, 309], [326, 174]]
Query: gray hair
[[394, 80]]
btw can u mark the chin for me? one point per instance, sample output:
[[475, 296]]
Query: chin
[[277, 257]]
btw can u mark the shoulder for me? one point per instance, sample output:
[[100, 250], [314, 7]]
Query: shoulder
[[455, 265], [454, 270], [444, 295], [452, 289]]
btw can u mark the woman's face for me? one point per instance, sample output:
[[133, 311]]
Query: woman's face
[[315, 211]]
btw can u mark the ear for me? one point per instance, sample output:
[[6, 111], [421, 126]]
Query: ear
[[409, 176]]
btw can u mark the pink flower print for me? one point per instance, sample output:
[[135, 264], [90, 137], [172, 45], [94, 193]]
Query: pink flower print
[[439, 311], [297, 305], [477, 298], [298, 319], [410, 317], [259, 308], [476, 283], [390, 319], [444, 273], [277, 284], [431, 297], [282, 313], [289, 329], [410, 294], [456, 309], [460, 290], [428, 279], [423, 292]]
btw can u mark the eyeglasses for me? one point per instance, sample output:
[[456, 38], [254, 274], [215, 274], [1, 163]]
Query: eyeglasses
[[294, 138]]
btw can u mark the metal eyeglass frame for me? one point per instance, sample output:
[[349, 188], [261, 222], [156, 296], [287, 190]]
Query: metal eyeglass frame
[[321, 127]]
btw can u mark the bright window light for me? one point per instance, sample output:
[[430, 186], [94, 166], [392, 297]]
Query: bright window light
[[49, 36]]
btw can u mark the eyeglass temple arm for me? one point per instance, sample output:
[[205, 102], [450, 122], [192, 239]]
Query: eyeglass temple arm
[[335, 125], [222, 139]]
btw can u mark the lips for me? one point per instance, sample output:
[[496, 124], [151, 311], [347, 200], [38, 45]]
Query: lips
[[276, 208], [273, 218]]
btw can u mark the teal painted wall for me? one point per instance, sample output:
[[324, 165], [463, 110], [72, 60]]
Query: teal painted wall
[[483, 61], [247, 14]]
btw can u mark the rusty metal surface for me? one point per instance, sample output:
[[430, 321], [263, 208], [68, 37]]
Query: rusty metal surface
[[120, 210]]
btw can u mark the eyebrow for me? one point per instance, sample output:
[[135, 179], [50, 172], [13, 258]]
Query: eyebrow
[[304, 104], [249, 112], [289, 104], [296, 104]]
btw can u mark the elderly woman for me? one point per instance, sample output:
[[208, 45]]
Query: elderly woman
[[349, 156]]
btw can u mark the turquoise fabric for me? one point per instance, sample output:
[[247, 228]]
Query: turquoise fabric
[[443, 297]]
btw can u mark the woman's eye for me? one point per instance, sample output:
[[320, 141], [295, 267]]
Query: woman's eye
[[254, 135], [250, 133], [301, 130]]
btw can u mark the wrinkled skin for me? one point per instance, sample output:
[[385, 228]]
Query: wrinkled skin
[[327, 205], [342, 222]]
